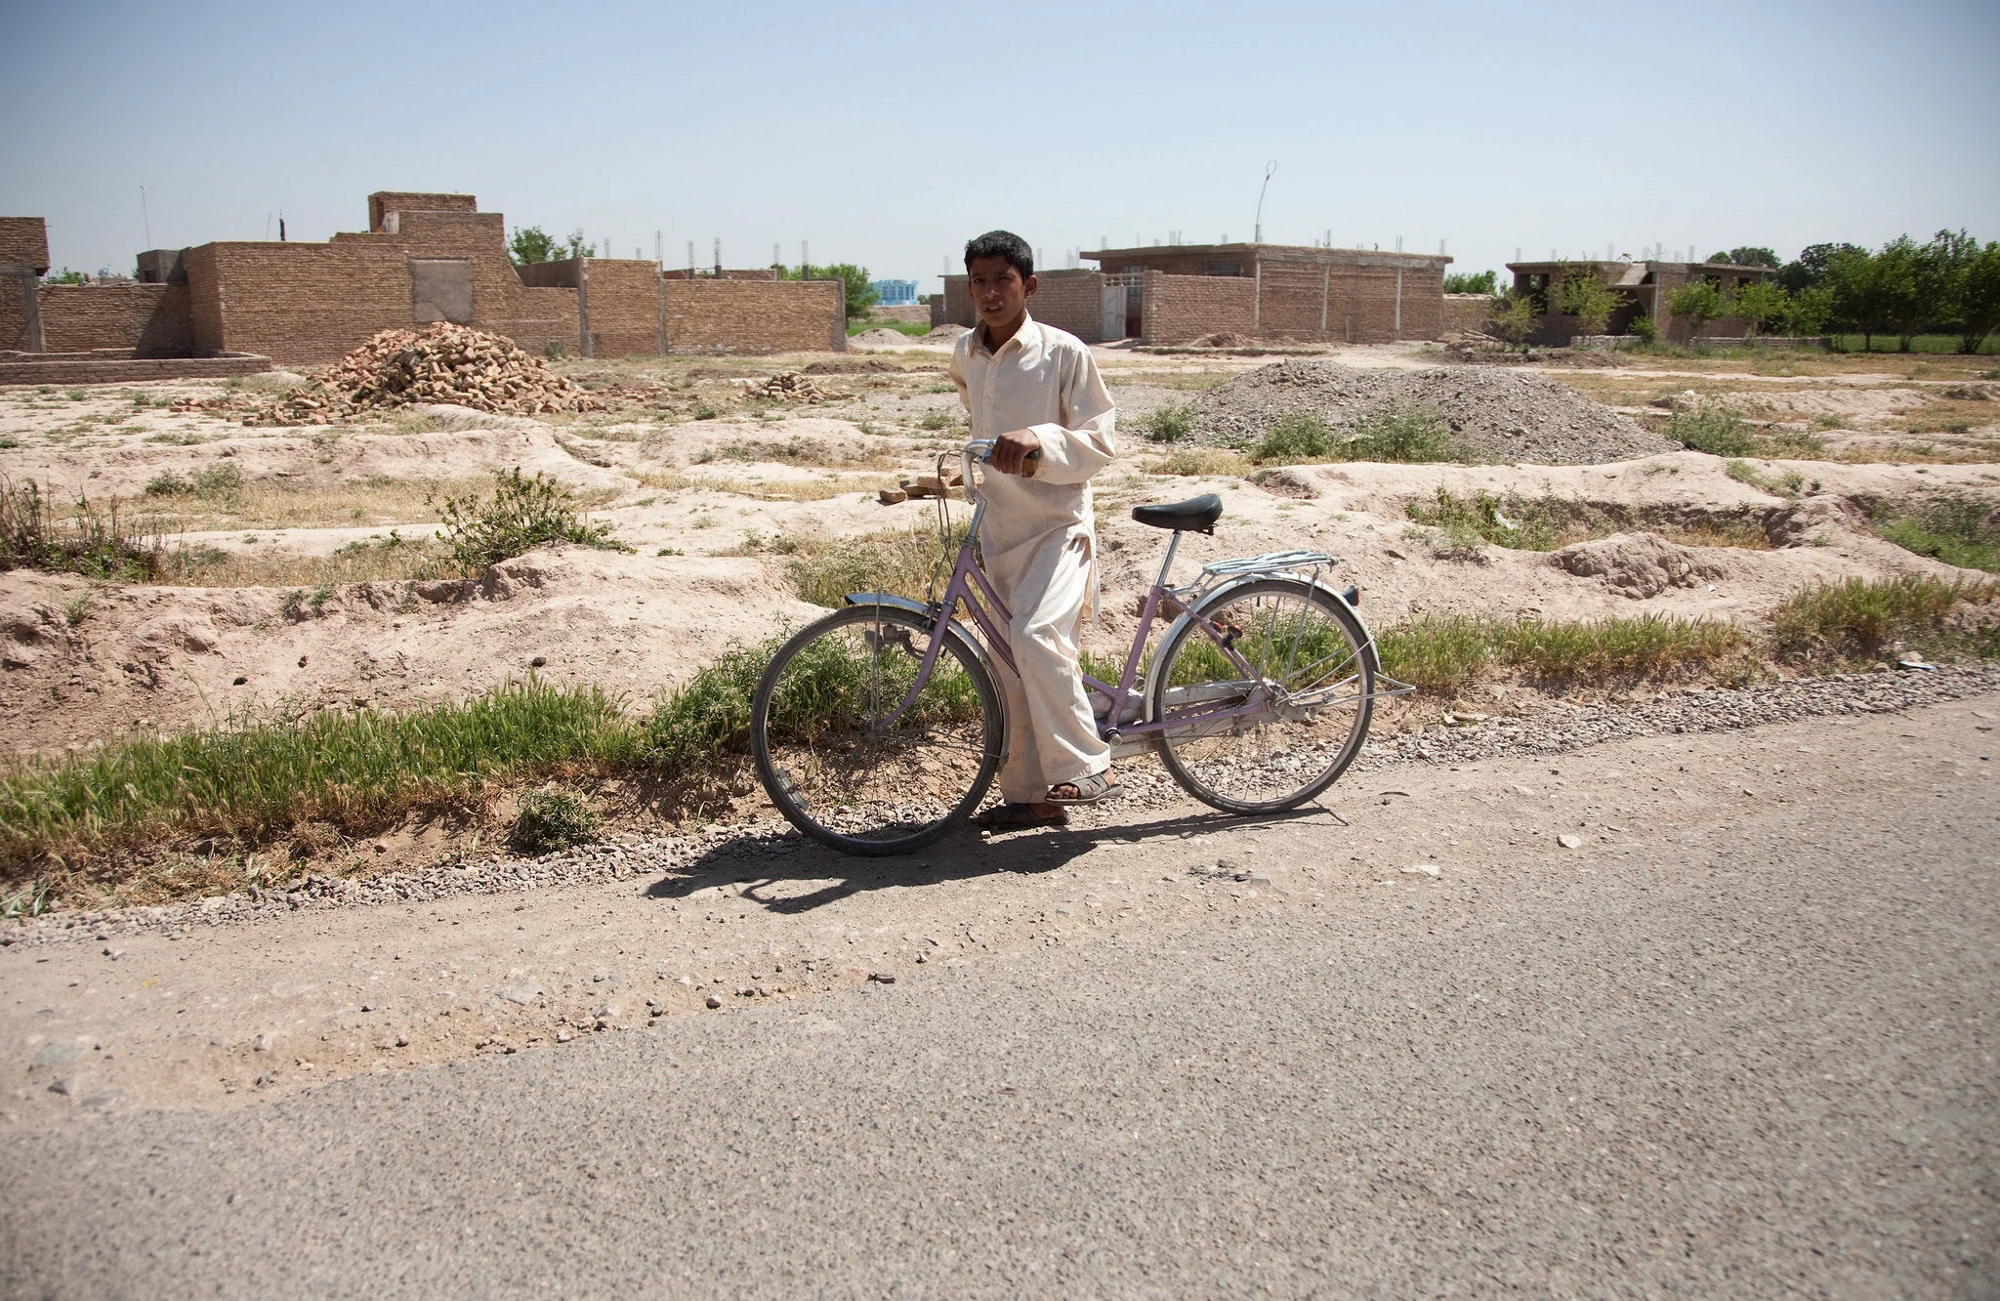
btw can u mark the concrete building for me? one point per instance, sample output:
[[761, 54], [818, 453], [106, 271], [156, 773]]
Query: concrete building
[[1178, 293], [423, 258], [894, 293], [1642, 289]]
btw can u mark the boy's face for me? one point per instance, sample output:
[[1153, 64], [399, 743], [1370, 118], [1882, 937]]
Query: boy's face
[[999, 294]]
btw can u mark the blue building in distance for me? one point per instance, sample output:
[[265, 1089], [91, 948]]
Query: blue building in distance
[[895, 292]]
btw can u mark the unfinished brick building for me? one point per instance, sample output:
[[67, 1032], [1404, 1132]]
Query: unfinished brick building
[[423, 258], [1179, 293], [1641, 288]]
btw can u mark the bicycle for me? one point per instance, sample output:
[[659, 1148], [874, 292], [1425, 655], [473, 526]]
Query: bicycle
[[878, 728]]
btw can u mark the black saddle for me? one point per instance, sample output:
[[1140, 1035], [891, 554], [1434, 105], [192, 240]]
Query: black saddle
[[1196, 513]]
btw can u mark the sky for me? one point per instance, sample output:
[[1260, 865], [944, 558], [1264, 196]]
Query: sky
[[889, 134]]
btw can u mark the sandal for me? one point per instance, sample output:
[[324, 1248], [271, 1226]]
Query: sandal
[[1017, 817], [1089, 790]]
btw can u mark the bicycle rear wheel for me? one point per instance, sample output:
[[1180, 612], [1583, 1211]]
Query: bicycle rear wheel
[[835, 765], [1276, 736]]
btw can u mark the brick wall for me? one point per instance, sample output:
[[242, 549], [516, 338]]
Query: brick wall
[[624, 305], [754, 316], [957, 308], [1179, 309], [151, 320], [299, 304], [1070, 300], [24, 241], [1467, 313], [383, 202]]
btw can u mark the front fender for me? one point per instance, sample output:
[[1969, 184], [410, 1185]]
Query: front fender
[[957, 631]]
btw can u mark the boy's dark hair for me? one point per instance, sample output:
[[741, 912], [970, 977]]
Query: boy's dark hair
[[1002, 243]]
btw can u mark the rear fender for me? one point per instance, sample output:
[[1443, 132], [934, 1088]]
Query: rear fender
[[1221, 593]]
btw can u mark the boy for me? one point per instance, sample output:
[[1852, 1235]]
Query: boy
[[1033, 388]]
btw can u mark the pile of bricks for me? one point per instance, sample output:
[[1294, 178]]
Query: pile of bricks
[[792, 386], [439, 363]]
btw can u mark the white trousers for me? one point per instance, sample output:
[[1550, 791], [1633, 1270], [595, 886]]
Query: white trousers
[[1051, 734]]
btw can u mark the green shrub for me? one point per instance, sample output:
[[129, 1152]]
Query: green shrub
[[1957, 528], [1168, 424], [1712, 428], [1522, 523], [93, 539], [1860, 618], [552, 820], [1413, 435], [522, 514], [1445, 652], [215, 483], [1299, 436], [898, 561]]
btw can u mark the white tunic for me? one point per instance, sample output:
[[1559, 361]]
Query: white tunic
[[1036, 542]]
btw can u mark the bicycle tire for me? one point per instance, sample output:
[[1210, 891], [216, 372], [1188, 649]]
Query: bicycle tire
[[829, 773], [1198, 756]]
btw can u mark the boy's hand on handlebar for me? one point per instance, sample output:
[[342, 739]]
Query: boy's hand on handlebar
[[1012, 451]]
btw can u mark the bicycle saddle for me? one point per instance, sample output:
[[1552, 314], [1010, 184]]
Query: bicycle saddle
[[1196, 513]]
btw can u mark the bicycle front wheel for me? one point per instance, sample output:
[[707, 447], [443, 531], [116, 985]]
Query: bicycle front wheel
[[1265, 691], [838, 759]]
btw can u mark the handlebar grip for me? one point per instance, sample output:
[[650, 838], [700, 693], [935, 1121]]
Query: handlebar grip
[[1028, 466]]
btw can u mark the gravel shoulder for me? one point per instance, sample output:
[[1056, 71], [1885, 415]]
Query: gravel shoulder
[[1729, 1046]]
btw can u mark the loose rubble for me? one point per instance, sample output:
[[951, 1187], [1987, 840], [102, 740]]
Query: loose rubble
[[439, 363], [791, 386], [1497, 416], [1636, 565]]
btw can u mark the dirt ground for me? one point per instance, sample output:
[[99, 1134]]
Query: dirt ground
[[708, 482]]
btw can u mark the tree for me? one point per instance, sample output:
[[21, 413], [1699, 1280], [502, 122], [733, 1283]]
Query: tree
[[1911, 286], [1697, 302], [1748, 255], [1855, 293], [1581, 294], [860, 294], [1514, 318], [533, 244], [1466, 282], [1808, 311], [1977, 292], [1808, 270], [1763, 304]]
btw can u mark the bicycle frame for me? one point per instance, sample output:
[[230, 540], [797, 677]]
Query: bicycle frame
[[970, 587]]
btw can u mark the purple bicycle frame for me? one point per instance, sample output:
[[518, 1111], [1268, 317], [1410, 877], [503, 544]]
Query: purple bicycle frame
[[967, 578]]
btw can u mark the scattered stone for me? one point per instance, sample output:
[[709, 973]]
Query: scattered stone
[[1431, 869], [64, 1085], [1568, 841], [791, 386], [882, 977], [892, 496], [58, 1054], [522, 994], [714, 1000]]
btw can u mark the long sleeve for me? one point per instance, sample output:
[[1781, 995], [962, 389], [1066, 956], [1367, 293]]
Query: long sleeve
[[1083, 443]]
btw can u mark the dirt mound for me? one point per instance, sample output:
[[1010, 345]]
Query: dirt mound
[[946, 333], [880, 336], [1494, 415], [439, 363], [1638, 565]]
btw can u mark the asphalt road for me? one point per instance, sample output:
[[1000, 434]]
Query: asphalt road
[[1749, 1057]]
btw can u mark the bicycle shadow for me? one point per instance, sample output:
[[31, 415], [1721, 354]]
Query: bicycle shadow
[[766, 866]]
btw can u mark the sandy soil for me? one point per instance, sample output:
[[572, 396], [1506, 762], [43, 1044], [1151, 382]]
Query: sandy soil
[[705, 502]]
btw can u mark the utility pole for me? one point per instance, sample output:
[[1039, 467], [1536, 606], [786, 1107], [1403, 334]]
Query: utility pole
[[145, 216], [1269, 168], [718, 257], [690, 259]]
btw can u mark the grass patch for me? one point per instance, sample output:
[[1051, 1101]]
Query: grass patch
[[1713, 428], [1862, 619], [820, 489], [1522, 523], [1201, 462], [1956, 528], [902, 562], [1410, 435], [1168, 424], [92, 538], [553, 820], [521, 514], [394, 558], [1445, 652], [914, 329]]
